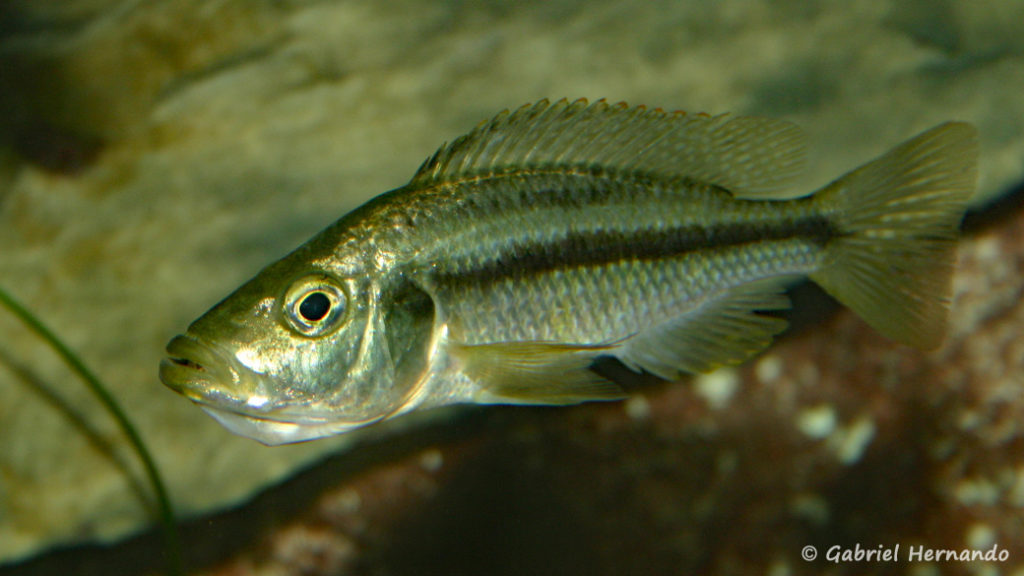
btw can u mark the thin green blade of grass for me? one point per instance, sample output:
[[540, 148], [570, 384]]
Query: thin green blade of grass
[[166, 510]]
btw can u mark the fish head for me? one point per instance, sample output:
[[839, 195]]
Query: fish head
[[290, 357]]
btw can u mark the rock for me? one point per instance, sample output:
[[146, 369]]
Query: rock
[[155, 155]]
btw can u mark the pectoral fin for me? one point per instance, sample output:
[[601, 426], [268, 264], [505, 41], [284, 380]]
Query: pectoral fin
[[536, 372]]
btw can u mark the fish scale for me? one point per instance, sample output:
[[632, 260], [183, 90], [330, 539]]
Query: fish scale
[[481, 309], [514, 309]]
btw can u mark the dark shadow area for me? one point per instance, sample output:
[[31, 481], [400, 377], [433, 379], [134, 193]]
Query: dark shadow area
[[638, 504], [497, 516], [34, 97], [54, 149], [1001, 209]]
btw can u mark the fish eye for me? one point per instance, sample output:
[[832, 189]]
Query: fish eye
[[315, 305]]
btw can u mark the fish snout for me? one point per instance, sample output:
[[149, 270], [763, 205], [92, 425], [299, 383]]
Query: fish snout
[[193, 368]]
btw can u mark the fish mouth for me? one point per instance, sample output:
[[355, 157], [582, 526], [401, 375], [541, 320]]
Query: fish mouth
[[197, 370], [214, 378], [240, 399]]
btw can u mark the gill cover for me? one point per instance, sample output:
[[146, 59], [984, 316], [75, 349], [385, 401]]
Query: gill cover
[[390, 362], [389, 341]]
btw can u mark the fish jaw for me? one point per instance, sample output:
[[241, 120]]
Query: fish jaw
[[241, 399], [272, 432]]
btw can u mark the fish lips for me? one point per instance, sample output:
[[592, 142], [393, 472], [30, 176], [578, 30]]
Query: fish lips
[[198, 371], [214, 379], [206, 376]]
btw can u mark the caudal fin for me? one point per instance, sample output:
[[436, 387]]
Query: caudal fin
[[898, 218]]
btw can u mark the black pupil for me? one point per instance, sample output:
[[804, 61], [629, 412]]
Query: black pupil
[[315, 306]]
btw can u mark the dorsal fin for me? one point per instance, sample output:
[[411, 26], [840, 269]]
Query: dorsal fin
[[751, 157]]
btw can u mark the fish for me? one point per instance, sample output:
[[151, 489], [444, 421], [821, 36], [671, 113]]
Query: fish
[[563, 232]]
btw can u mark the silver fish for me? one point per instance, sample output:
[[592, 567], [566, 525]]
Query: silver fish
[[557, 233]]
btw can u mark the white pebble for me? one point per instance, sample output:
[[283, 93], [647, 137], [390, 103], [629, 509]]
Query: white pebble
[[980, 536], [768, 369], [637, 407], [817, 422], [850, 443], [718, 387]]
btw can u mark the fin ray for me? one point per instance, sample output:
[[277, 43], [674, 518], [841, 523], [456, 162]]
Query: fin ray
[[899, 217], [751, 157]]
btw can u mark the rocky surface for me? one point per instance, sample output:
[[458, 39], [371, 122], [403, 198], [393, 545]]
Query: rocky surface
[[154, 155]]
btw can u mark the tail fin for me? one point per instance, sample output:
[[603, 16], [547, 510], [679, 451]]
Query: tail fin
[[898, 218]]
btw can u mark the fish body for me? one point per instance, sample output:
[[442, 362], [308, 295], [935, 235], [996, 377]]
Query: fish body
[[562, 232]]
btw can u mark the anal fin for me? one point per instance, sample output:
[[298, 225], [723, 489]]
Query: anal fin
[[536, 372], [726, 329]]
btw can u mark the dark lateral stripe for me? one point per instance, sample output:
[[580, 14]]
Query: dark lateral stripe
[[586, 249], [566, 191]]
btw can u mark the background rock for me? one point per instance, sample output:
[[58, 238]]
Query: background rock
[[155, 155]]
